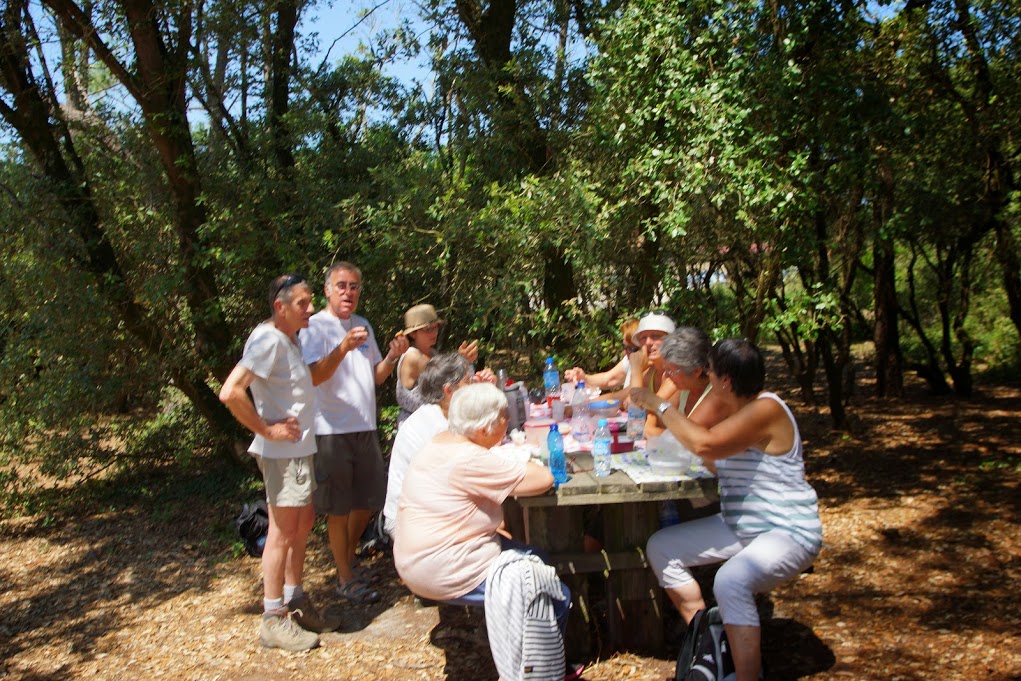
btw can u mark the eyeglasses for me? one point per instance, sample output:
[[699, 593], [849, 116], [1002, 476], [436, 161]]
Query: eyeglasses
[[345, 286], [289, 281], [670, 373], [654, 313]]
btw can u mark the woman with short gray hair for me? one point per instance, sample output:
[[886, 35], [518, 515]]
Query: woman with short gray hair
[[450, 513], [478, 413], [443, 371], [442, 376], [687, 348]]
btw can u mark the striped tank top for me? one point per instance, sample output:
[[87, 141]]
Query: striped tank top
[[760, 492]]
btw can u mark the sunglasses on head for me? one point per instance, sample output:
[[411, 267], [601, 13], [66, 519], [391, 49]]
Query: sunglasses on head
[[654, 313], [289, 281]]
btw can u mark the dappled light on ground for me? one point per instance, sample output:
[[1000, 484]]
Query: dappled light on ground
[[918, 579]]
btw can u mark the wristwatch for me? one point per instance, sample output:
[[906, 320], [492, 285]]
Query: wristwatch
[[663, 406]]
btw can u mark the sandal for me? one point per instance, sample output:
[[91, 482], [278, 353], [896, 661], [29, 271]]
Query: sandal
[[356, 591], [573, 672]]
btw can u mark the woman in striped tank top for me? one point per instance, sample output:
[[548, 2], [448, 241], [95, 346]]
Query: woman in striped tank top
[[768, 529]]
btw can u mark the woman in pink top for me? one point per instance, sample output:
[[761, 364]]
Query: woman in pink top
[[450, 514]]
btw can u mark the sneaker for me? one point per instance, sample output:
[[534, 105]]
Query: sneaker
[[308, 618], [279, 630], [356, 591]]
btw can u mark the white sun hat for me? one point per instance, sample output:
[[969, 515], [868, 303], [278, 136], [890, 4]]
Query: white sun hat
[[656, 320]]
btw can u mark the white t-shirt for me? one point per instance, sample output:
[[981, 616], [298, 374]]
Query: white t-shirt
[[414, 433], [347, 400], [282, 389], [447, 517]]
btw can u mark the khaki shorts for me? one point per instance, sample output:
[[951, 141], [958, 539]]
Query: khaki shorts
[[289, 482], [349, 473]]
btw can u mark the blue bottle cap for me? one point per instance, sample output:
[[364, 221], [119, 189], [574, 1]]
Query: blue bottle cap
[[602, 422]]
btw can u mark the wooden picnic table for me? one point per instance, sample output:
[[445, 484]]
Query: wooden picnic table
[[629, 514]]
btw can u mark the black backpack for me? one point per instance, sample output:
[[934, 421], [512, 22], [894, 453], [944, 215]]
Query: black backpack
[[253, 524], [705, 655]]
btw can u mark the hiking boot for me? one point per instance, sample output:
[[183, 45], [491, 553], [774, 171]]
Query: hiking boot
[[356, 591], [308, 618], [279, 630]]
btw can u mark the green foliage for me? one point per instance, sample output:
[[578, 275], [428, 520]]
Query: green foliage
[[733, 163], [807, 312]]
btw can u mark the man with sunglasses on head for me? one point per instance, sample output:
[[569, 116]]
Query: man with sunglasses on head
[[282, 417], [347, 365]]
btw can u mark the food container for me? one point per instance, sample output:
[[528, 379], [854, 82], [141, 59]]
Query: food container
[[604, 409], [667, 463], [536, 430]]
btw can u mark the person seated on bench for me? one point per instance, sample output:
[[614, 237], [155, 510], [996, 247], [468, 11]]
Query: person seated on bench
[[450, 516], [768, 530], [442, 376]]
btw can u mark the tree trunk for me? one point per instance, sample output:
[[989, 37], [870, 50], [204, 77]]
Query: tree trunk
[[53, 150], [834, 364], [885, 333], [491, 30], [1010, 266], [281, 49]]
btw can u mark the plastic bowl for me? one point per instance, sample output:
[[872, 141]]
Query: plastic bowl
[[605, 409], [666, 464]]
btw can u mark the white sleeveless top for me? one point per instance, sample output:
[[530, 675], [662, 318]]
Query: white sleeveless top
[[760, 492]]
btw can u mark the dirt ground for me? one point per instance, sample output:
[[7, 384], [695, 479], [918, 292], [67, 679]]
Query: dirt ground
[[920, 577]]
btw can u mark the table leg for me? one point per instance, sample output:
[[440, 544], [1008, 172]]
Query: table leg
[[634, 600], [559, 530]]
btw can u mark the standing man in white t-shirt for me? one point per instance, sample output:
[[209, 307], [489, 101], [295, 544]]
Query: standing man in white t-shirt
[[346, 364], [282, 417]]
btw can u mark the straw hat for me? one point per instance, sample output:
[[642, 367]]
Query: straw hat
[[656, 320], [419, 317]]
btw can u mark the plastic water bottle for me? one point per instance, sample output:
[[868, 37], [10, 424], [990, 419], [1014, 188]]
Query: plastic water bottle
[[551, 379], [557, 463], [581, 419], [635, 422], [601, 442]]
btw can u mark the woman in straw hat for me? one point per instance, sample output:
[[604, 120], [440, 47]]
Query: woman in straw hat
[[422, 327]]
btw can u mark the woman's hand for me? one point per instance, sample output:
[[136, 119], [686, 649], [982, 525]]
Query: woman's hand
[[470, 351], [645, 398], [639, 361], [574, 375], [486, 376]]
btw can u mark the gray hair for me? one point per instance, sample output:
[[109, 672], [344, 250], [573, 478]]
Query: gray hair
[[342, 265], [447, 369], [282, 288], [475, 409], [688, 348]]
